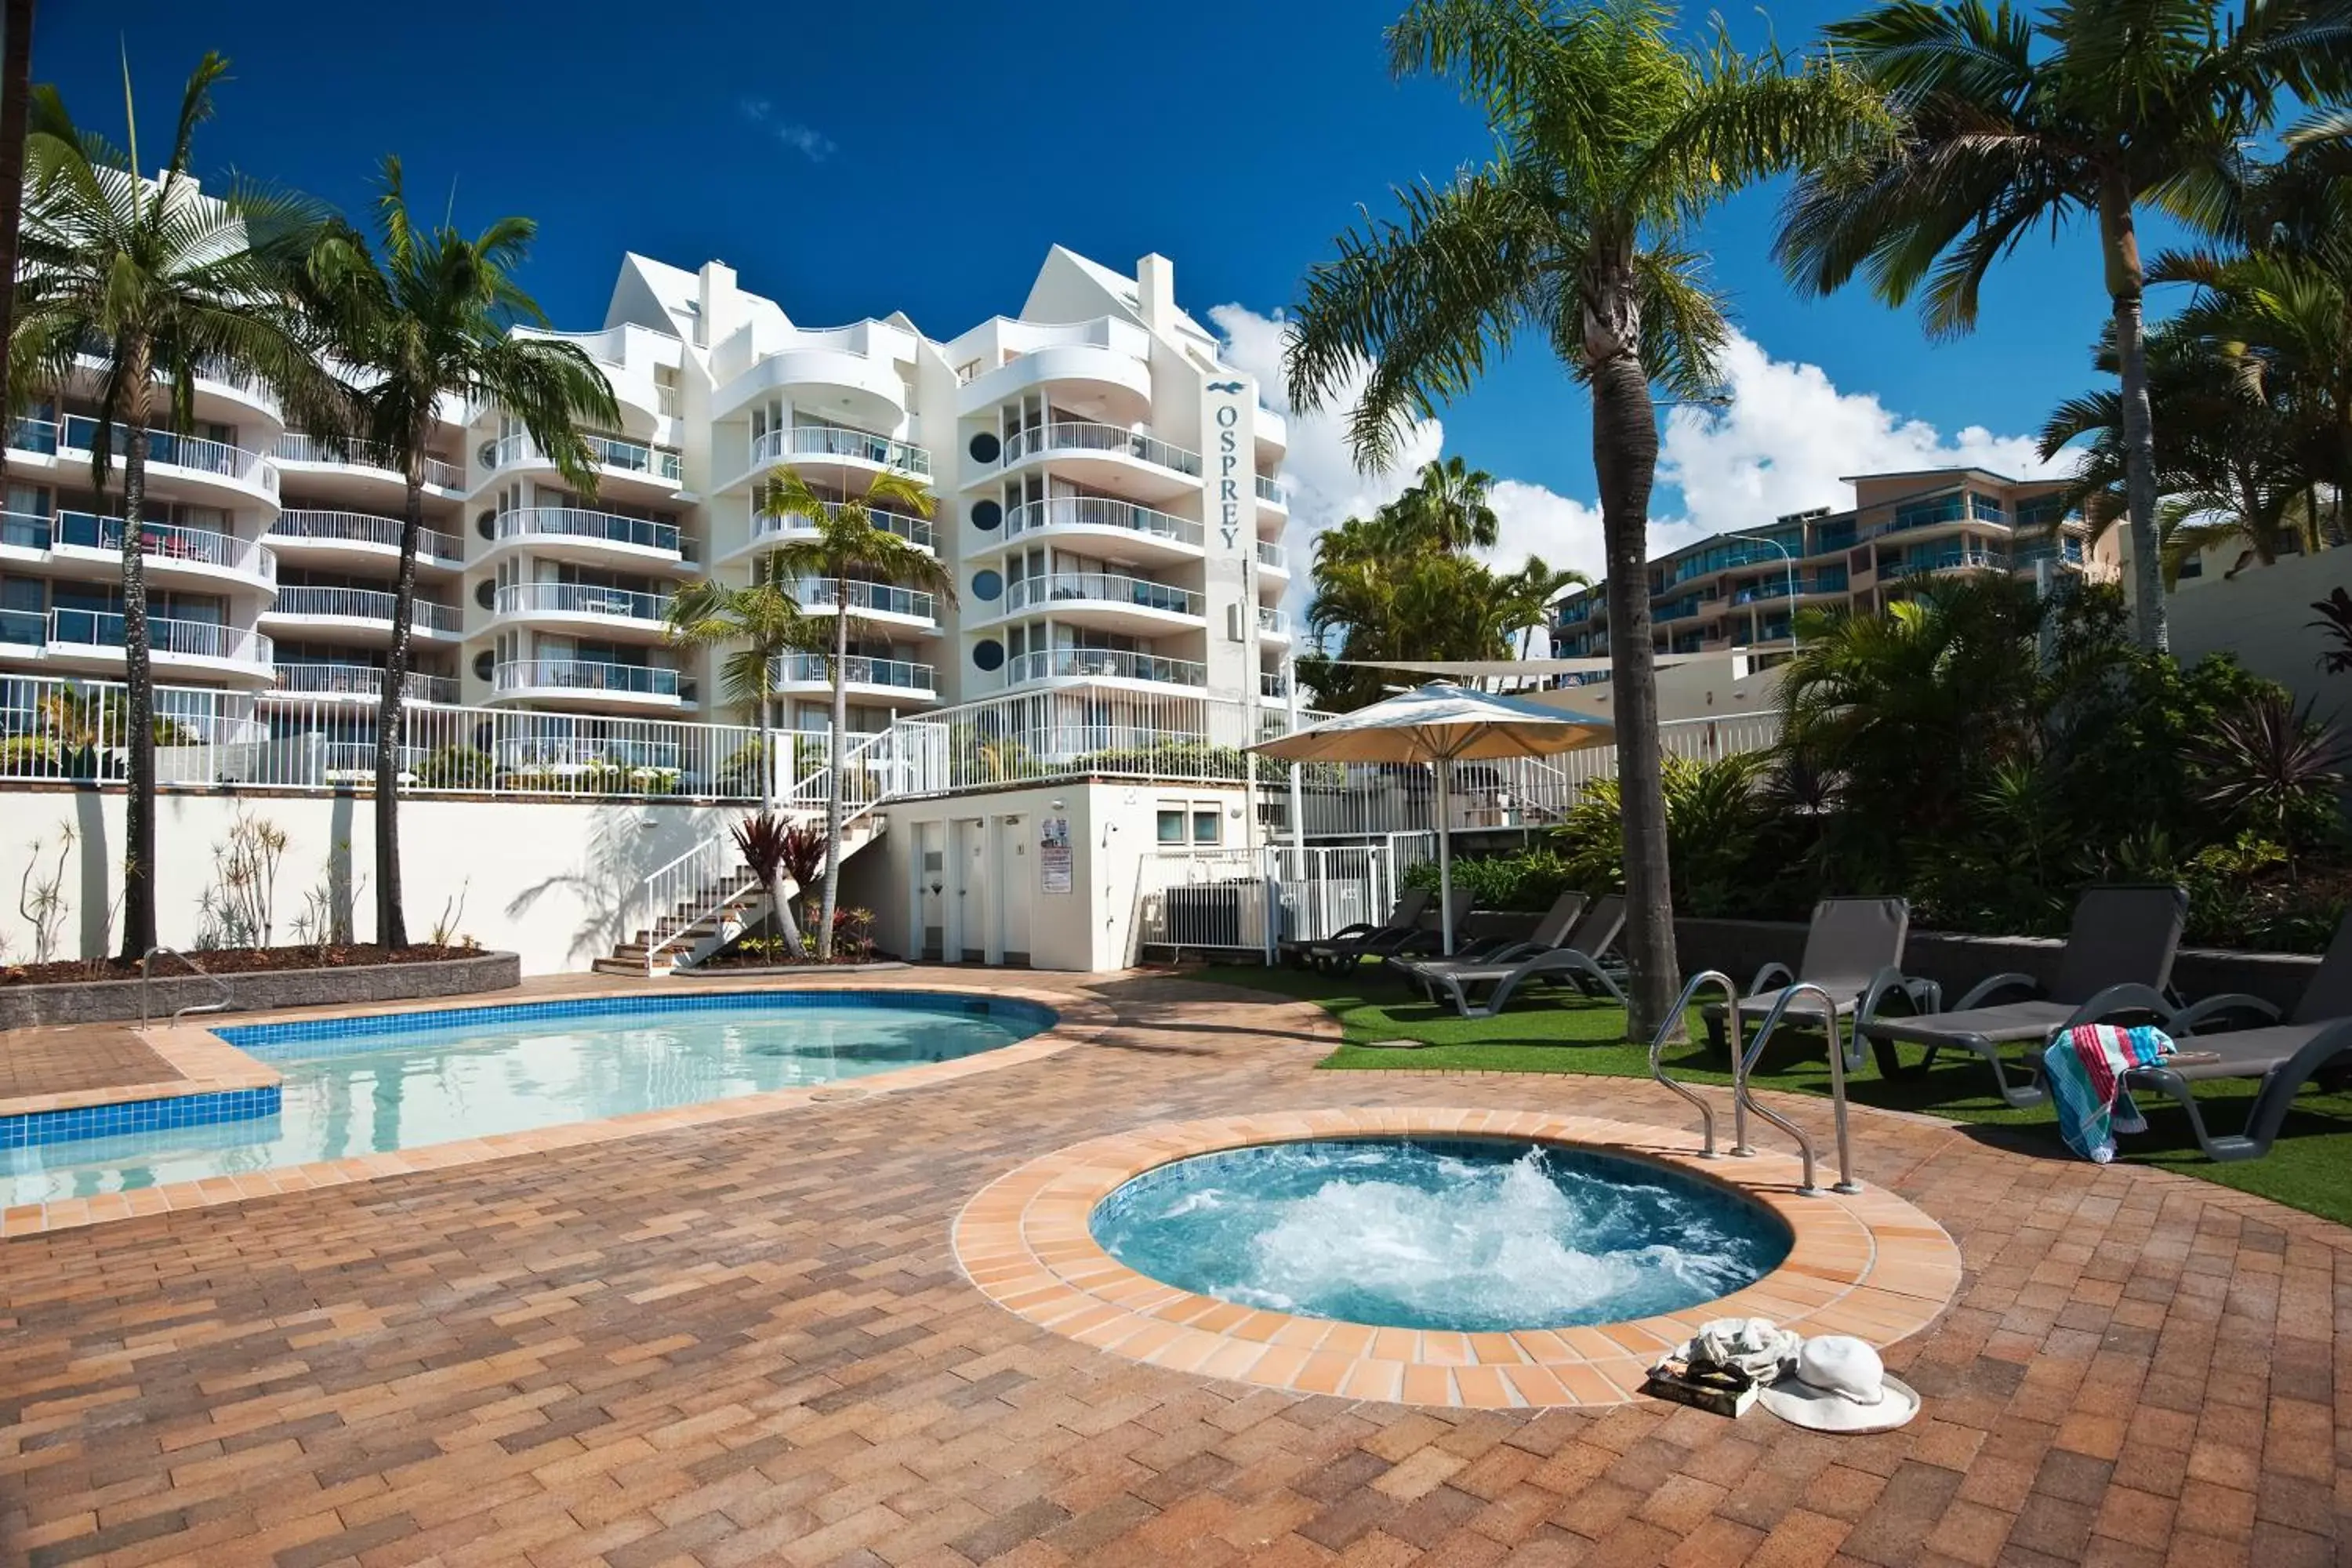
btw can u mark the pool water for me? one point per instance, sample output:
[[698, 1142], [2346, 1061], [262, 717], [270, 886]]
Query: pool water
[[1466, 1234], [361, 1086]]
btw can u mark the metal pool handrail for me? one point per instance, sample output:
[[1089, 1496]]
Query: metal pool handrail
[[1743, 1101], [1672, 1022], [147, 977]]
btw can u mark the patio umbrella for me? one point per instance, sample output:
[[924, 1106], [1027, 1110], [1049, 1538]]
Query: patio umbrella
[[1443, 724]]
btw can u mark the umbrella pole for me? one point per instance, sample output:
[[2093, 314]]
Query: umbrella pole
[[1446, 854]]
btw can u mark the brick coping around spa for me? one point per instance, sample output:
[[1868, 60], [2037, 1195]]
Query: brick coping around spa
[[1079, 1018], [1868, 1263]]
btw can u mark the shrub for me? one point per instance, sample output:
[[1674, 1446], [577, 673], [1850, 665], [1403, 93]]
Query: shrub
[[456, 767]]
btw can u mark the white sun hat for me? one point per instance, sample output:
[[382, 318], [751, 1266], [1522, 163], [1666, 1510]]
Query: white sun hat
[[1839, 1385]]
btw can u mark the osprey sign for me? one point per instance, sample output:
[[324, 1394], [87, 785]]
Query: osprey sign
[[1232, 464]]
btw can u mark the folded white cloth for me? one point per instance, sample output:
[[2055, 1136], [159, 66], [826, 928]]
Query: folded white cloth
[[1757, 1346]]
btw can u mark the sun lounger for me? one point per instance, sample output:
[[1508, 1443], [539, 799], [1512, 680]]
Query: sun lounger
[[2282, 1054], [1853, 951], [1349, 945], [1550, 932], [1576, 962], [2118, 962]]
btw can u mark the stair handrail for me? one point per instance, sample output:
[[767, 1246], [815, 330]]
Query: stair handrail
[[1674, 1022], [661, 891], [1744, 1098], [147, 977]]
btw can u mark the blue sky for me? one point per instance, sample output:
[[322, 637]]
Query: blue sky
[[854, 160]]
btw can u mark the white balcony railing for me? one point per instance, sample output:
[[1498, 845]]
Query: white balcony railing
[[1100, 511], [824, 593], [179, 451], [1273, 490], [365, 528], [366, 605], [194, 639], [582, 599], [1273, 555], [1102, 663], [325, 680], [839, 441], [1086, 436], [768, 527], [811, 668], [585, 675], [1102, 588], [1270, 619], [602, 527], [611, 452], [297, 447], [165, 541]]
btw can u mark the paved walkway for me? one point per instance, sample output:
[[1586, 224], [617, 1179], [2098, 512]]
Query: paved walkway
[[749, 1342]]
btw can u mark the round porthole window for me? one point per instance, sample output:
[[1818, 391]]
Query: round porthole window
[[485, 662], [987, 586], [487, 524], [485, 592], [988, 654], [987, 516], [985, 447]]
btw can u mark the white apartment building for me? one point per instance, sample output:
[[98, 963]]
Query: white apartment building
[[1105, 486]]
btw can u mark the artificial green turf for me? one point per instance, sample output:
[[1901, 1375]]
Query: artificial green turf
[[2309, 1168]]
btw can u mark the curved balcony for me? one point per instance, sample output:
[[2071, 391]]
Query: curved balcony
[[364, 610], [1273, 558], [592, 681], [194, 467], [869, 601], [193, 556], [1109, 456], [767, 531], [1273, 495], [848, 458], [1107, 600], [625, 469], [894, 680], [578, 533], [93, 639], [854, 386], [356, 683], [369, 461], [359, 538], [1139, 529], [1272, 624], [1101, 373], [604, 609], [1103, 664]]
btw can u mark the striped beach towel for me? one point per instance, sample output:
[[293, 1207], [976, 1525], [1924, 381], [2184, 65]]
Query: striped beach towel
[[2085, 1066]]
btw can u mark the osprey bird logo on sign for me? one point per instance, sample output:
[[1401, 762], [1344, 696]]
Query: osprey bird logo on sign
[[1224, 387]]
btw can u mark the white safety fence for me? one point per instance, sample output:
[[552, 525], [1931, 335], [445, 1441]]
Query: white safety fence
[[1250, 902]]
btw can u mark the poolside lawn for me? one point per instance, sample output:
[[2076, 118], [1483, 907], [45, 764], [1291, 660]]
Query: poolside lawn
[[2309, 1168]]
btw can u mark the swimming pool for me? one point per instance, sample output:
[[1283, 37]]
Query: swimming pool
[[1458, 1232], [404, 1080]]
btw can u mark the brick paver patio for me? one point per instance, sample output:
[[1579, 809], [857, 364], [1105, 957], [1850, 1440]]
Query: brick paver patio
[[749, 1342]]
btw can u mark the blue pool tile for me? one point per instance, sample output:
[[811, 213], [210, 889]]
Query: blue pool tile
[[40, 1128]]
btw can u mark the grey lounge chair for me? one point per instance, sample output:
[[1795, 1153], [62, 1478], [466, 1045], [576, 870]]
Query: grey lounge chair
[[1853, 951], [1348, 943], [1550, 932], [2283, 1055], [2118, 962], [1575, 961]]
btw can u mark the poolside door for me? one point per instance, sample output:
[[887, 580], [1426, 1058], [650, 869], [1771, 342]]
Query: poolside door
[[931, 890], [968, 900], [1013, 878]]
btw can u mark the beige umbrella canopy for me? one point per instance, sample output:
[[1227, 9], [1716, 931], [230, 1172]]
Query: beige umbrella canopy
[[1441, 725]]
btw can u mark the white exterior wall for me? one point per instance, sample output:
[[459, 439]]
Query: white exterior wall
[[2263, 618]]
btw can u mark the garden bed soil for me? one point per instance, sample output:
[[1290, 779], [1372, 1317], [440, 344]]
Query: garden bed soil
[[760, 964], [232, 961]]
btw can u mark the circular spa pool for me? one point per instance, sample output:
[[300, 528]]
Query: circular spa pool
[[1466, 1234]]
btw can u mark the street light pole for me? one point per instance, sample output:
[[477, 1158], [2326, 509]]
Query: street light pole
[[1788, 560]]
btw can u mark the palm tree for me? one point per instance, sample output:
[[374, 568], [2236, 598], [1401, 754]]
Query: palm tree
[[847, 543], [1447, 505], [16, 99], [1613, 142], [2011, 122], [425, 316], [761, 622], [166, 279]]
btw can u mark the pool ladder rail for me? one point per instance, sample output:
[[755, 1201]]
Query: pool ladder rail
[[1743, 1062], [147, 978]]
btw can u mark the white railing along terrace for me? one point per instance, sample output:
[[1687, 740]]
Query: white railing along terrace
[[825, 594], [1100, 511], [815, 669], [1102, 588], [363, 604], [586, 675], [179, 451], [193, 639], [1086, 436], [165, 541], [578, 522], [364, 528], [768, 527], [840, 441], [324, 679], [1274, 555], [1115, 664], [606, 451], [299, 447], [582, 599]]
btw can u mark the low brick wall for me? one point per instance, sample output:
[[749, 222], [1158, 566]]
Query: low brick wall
[[99, 1001], [1957, 961]]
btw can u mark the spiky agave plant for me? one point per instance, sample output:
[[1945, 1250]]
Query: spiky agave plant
[[765, 844], [2274, 768]]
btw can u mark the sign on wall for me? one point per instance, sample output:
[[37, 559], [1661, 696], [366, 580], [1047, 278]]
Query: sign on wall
[[1232, 468], [1054, 859]]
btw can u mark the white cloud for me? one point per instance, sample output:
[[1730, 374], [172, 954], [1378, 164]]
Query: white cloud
[[809, 142]]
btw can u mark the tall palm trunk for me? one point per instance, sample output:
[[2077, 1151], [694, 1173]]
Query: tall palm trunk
[[138, 664], [1625, 459], [833, 795], [16, 90], [2126, 284], [391, 922]]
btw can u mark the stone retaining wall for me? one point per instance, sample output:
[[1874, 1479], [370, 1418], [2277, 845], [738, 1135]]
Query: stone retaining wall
[[91, 1001]]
